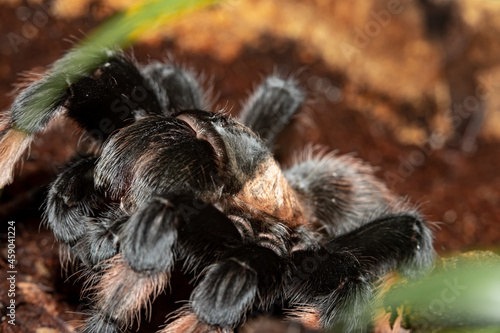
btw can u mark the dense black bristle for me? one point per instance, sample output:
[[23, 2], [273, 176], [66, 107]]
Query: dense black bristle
[[271, 107], [117, 94], [185, 93], [148, 238]]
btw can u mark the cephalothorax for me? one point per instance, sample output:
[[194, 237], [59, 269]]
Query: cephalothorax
[[174, 182]]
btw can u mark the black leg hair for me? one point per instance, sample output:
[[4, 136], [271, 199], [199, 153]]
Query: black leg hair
[[72, 201], [250, 276], [182, 88], [271, 106], [81, 216], [119, 294], [337, 278], [114, 96], [148, 237], [248, 262], [340, 191]]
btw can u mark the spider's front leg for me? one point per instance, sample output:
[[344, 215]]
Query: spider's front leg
[[113, 96], [148, 249], [249, 274], [337, 277], [81, 217], [238, 272], [361, 231]]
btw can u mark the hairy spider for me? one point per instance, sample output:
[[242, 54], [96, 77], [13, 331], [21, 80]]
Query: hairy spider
[[173, 182]]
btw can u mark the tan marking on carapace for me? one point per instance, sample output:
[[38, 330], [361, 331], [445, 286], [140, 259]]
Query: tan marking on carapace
[[269, 193], [12, 147]]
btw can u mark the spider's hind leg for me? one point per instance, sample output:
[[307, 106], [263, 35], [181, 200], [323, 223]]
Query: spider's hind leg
[[271, 107]]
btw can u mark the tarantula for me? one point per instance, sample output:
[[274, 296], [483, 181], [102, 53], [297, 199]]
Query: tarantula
[[174, 182]]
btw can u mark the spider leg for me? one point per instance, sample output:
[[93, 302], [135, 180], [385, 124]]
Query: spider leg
[[249, 274], [187, 321], [116, 94], [340, 191], [182, 88], [141, 271], [81, 216], [270, 107], [71, 198], [158, 233], [337, 277]]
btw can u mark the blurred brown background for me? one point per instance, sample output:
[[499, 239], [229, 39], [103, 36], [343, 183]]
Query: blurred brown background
[[410, 86]]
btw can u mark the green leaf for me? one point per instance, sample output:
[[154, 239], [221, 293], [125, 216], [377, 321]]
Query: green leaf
[[462, 291]]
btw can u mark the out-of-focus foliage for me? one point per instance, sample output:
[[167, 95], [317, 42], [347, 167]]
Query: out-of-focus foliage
[[462, 294]]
